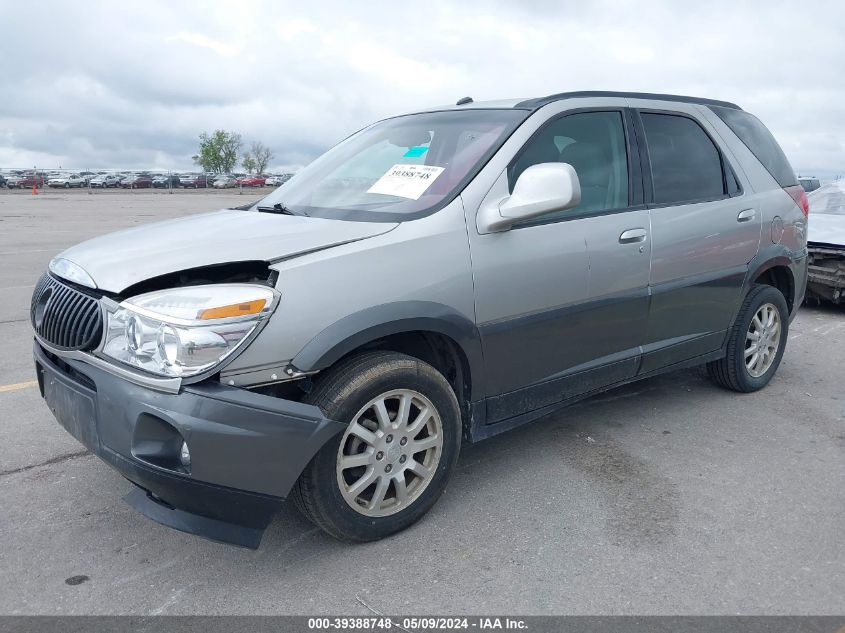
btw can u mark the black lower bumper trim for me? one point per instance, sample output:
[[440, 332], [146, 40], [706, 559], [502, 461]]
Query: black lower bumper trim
[[247, 449], [212, 529], [217, 503]]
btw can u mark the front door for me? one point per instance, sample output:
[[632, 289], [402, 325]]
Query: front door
[[562, 301]]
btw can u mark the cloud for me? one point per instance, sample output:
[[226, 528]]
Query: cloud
[[133, 84], [203, 41]]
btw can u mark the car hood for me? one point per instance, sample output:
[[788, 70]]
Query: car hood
[[827, 214], [119, 260], [827, 228]]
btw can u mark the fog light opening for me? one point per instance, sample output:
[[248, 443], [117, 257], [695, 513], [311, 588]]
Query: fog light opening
[[158, 442]]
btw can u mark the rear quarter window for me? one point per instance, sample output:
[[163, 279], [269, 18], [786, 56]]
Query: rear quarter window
[[760, 141]]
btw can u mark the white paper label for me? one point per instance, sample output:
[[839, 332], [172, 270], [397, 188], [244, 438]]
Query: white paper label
[[406, 181]]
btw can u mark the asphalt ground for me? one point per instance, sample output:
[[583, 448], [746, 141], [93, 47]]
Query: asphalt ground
[[669, 496]]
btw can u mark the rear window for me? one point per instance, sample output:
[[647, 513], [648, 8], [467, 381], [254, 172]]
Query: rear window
[[760, 141]]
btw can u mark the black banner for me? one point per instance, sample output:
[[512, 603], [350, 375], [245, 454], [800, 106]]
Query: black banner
[[420, 624]]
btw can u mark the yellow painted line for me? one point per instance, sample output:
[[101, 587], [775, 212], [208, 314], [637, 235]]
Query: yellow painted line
[[20, 385]]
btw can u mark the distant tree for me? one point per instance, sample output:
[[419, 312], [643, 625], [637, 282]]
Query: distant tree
[[218, 152], [261, 154], [249, 163]]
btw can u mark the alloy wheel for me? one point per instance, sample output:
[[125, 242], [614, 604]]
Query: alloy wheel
[[762, 340], [389, 453]]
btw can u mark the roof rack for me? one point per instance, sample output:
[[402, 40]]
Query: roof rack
[[539, 102]]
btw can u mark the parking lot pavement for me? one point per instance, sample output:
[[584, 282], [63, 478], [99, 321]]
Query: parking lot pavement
[[667, 496]]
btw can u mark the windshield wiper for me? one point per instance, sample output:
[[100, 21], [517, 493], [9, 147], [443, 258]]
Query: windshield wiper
[[278, 209]]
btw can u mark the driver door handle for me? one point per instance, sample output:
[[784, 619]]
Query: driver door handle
[[631, 236]]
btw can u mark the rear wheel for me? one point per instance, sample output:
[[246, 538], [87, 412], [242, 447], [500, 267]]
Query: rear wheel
[[396, 455], [756, 342]]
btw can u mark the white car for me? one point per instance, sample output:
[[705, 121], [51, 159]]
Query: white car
[[275, 181], [224, 182], [72, 180]]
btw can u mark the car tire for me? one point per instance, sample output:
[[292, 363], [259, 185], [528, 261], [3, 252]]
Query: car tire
[[756, 342], [353, 503]]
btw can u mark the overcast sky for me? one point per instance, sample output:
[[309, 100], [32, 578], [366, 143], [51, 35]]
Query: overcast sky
[[123, 84]]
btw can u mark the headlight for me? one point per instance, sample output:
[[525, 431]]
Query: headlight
[[186, 331]]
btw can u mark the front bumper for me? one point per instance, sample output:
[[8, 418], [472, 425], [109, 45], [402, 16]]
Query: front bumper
[[247, 449], [826, 272]]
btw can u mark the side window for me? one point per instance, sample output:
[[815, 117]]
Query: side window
[[594, 144], [731, 181], [685, 164]]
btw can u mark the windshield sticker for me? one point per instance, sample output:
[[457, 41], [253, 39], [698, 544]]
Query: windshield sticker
[[415, 152], [406, 181]]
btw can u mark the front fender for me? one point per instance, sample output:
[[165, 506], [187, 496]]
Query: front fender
[[360, 328]]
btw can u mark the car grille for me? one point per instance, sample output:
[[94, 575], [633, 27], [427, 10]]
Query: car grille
[[65, 317]]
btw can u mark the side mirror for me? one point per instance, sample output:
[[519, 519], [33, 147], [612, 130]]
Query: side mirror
[[540, 189]]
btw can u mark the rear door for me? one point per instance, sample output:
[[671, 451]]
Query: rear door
[[704, 233]]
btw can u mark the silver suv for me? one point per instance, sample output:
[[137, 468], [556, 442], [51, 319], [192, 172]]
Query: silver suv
[[434, 279]]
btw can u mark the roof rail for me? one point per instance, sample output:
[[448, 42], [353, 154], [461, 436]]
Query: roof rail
[[539, 102]]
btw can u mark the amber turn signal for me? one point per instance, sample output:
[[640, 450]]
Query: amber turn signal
[[233, 310]]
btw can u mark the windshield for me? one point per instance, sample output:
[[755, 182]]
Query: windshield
[[398, 169]]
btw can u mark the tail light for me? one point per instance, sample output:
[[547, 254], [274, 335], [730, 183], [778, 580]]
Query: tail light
[[797, 193]]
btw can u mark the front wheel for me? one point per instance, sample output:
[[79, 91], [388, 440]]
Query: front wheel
[[396, 455], [756, 342]]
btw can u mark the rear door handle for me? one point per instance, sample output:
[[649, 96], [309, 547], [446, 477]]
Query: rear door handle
[[632, 236], [745, 216]]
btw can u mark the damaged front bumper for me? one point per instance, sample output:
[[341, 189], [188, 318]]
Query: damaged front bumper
[[826, 272], [246, 449]]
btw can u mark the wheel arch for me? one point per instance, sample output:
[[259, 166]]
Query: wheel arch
[[432, 332], [774, 269]]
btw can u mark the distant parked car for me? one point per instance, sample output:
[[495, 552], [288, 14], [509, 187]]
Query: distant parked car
[[2, 180], [67, 181], [809, 184], [225, 182], [166, 182], [137, 181], [31, 179], [274, 181], [104, 181], [252, 181], [194, 181]]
